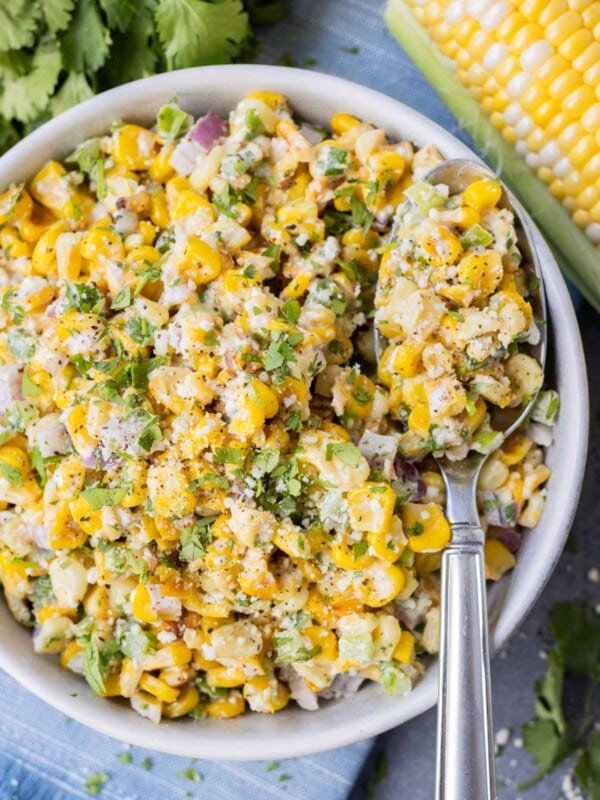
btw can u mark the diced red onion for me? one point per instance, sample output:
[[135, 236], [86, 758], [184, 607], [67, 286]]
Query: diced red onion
[[208, 129], [540, 433], [126, 223], [342, 686], [95, 460], [299, 691], [10, 386], [311, 134], [376, 447], [509, 537], [497, 512], [408, 475], [203, 135], [185, 156], [410, 617]]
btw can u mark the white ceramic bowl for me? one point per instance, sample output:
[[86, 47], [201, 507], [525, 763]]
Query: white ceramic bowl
[[294, 732]]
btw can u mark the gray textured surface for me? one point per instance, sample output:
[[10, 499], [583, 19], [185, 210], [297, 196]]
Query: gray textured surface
[[409, 751]]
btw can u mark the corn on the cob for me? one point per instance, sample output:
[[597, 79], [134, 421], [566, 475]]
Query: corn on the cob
[[532, 70]]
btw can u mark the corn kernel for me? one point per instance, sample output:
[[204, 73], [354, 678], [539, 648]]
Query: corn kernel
[[134, 147], [483, 195], [426, 527]]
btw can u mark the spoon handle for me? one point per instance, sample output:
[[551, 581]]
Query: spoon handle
[[465, 758]]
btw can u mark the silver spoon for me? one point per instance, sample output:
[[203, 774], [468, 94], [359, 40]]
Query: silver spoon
[[465, 744]]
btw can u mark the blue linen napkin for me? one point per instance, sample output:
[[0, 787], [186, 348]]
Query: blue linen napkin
[[44, 755]]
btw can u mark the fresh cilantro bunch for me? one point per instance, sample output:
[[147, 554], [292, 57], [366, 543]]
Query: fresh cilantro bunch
[[56, 53], [551, 736]]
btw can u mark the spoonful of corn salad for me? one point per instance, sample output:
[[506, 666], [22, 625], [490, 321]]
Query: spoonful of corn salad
[[462, 346]]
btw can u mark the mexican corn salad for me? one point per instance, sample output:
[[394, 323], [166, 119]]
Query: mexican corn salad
[[210, 497]]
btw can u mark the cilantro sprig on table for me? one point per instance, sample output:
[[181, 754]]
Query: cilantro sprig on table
[[552, 736], [56, 54]]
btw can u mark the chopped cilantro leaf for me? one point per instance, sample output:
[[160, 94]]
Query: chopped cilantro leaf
[[84, 297], [195, 539], [227, 455], [99, 496]]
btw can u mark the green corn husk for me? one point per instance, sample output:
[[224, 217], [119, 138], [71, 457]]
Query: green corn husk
[[577, 256]]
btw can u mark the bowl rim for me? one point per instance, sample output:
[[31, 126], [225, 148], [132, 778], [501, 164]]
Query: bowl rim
[[292, 738]]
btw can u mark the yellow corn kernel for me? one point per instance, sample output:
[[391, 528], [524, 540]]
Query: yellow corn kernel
[[161, 170], [262, 585], [168, 489], [38, 300], [14, 246], [385, 368], [419, 420], [342, 123], [426, 527], [47, 612], [134, 147], [537, 477], [159, 210], [50, 188], [176, 654], [274, 100], [481, 271], [439, 245], [405, 649], [141, 605], [225, 677], [158, 688], [13, 575], [97, 602], [98, 244], [371, 507], [345, 556], [465, 217], [406, 358], [381, 583], [88, 520], [77, 209], [69, 476], [326, 640], [297, 286], [299, 184], [15, 205], [188, 202], [33, 226], [201, 263], [64, 533], [531, 514], [274, 695], [389, 543], [459, 293], [515, 448], [231, 706], [186, 702], [264, 397], [70, 652], [249, 419], [68, 256], [43, 259], [359, 396], [474, 420], [483, 195], [387, 161], [498, 559], [297, 211]]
